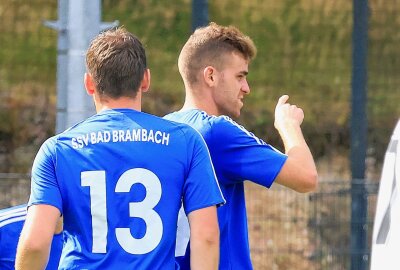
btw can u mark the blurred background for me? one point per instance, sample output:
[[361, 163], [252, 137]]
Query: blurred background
[[304, 50]]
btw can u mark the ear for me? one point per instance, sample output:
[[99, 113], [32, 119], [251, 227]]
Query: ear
[[145, 84], [89, 84], [209, 75]]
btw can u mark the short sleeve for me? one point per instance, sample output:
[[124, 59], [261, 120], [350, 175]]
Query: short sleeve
[[201, 187], [44, 186], [239, 155]]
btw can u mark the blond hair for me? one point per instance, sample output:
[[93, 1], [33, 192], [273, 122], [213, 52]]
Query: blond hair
[[208, 46]]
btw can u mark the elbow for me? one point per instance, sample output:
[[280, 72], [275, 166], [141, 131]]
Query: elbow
[[204, 249], [207, 240], [211, 237], [310, 182], [204, 229], [208, 237]]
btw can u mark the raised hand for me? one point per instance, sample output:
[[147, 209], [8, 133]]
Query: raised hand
[[287, 114]]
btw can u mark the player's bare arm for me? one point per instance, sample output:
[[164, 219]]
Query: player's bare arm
[[299, 171], [204, 239], [34, 245]]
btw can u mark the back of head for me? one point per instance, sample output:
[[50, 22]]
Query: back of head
[[208, 46], [116, 60]]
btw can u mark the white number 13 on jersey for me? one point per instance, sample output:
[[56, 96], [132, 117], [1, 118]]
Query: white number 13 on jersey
[[96, 180]]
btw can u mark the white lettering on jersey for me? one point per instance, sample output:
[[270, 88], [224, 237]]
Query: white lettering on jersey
[[96, 181], [135, 135]]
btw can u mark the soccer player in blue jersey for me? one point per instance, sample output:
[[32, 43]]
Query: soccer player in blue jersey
[[11, 222], [214, 64], [119, 177]]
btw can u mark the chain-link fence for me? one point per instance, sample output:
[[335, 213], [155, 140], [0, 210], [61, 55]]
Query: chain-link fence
[[287, 230]]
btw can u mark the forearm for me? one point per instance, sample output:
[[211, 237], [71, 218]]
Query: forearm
[[296, 147], [300, 170]]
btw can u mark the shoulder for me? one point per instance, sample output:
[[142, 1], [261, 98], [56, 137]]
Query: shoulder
[[168, 124], [12, 216], [14, 209], [198, 119], [226, 127], [187, 132], [224, 122], [186, 121], [48, 146]]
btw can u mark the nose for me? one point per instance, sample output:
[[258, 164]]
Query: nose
[[245, 87]]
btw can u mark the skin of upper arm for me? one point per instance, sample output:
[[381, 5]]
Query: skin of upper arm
[[294, 176], [204, 239], [40, 226], [204, 223]]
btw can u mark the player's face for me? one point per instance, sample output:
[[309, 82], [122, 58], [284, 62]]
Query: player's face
[[232, 86]]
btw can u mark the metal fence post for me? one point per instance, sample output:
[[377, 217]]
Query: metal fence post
[[79, 21], [62, 62], [199, 13], [83, 24], [358, 237]]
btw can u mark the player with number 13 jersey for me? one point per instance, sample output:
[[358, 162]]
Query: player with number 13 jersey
[[117, 178]]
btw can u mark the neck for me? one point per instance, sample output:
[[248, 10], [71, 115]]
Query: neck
[[200, 101], [120, 103]]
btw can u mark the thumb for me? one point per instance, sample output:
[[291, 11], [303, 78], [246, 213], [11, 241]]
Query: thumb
[[282, 100]]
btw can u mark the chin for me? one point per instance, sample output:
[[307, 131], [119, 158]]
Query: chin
[[234, 115], [237, 114]]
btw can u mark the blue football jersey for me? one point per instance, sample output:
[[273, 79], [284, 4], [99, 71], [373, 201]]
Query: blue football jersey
[[11, 222], [237, 155], [119, 179]]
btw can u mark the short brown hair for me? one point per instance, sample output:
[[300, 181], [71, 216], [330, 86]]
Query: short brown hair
[[209, 45], [116, 59]]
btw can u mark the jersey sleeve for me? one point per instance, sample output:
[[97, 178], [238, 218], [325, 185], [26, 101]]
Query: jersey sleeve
[[44, 186], [201, 187], [239, 155]]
